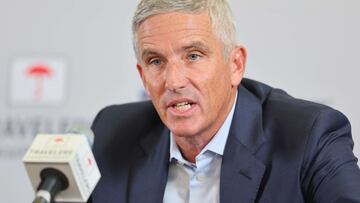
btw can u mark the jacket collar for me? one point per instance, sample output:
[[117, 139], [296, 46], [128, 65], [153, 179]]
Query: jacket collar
[[247, 124], [241, 171], [148, 174]]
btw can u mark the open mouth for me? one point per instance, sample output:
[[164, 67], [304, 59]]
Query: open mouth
[[182, 106]]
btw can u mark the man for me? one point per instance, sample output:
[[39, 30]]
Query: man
[[208, 135]]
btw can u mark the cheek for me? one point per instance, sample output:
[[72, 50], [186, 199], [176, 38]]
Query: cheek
[[153, 82], [219, 79], [154, 94], [219, 87], [155, 90]]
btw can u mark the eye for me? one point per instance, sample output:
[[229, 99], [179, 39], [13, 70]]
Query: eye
[[194, 57], [155, 62]]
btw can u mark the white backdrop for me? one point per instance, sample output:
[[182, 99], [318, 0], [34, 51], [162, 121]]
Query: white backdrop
[[309, 48]]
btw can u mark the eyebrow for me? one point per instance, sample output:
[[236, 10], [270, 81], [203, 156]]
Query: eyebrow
[[197, 45], [190, 46], [148, 52]]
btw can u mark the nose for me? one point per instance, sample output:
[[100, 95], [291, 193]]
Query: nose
[[175, 77]]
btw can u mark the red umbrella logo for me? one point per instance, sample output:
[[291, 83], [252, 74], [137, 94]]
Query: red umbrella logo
[[59, 140], [39, 72]]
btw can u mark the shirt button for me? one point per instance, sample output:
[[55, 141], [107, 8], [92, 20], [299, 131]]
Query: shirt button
[[200, 177], [180, 164]]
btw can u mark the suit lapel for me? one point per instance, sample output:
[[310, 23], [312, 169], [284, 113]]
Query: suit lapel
[[241, 172], [148, 174]]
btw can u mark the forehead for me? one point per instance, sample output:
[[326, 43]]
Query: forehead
[[176, 19], [174, 28]]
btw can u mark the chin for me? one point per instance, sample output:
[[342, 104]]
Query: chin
[[184, 132]]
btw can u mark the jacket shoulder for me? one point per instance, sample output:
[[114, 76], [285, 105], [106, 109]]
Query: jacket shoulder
[[278, 104], [118, 128], [308, 143], [294, 124], [122, 120]]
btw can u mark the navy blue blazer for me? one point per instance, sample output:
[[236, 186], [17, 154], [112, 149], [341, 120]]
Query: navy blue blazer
[[280, 149]]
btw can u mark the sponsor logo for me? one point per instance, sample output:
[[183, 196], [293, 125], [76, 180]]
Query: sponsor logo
[[36, 81]]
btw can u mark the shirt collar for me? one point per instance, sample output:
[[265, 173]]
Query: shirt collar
[[216, 144]]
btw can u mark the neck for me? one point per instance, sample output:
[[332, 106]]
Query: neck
[[191, 147]]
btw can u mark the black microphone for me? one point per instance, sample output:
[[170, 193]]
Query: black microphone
[[52, 181]]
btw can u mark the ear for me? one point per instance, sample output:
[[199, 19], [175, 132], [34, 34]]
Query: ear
[[238, 62], [142, 76]]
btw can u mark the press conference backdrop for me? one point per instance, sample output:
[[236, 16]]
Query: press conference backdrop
[[62, 61]]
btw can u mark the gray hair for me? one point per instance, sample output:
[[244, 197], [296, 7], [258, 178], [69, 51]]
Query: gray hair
[[219, 12]]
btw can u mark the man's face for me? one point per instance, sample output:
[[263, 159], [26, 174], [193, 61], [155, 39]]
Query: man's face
[[183, 69]]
